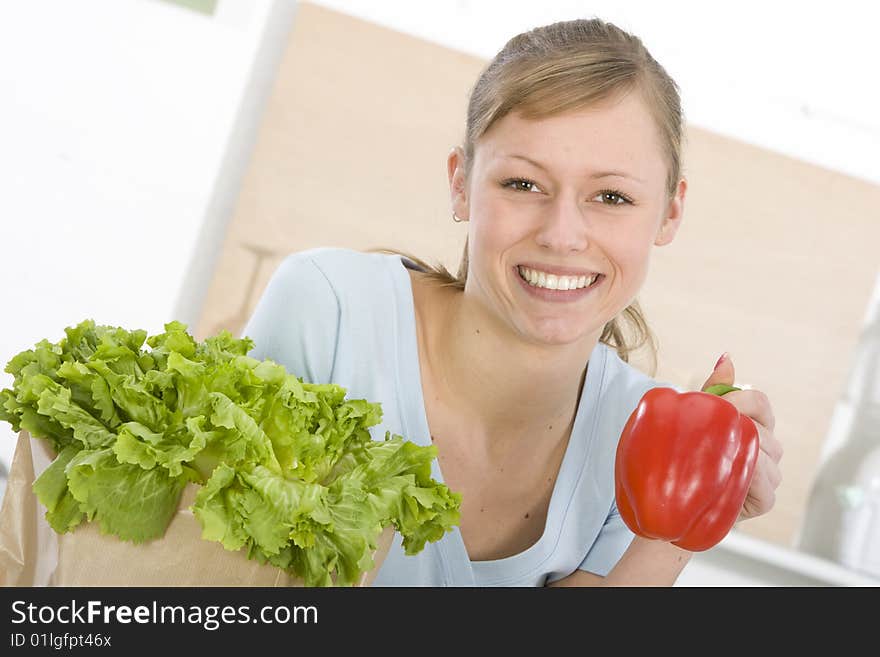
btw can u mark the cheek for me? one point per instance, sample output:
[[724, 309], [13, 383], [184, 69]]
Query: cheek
[[634, 256], [495, 231], [628, 259]]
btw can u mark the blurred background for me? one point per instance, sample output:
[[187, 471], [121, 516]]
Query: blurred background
[[159, 158]]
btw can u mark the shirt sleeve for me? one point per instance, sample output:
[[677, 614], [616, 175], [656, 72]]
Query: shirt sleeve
[[613, 539], [296, 321]]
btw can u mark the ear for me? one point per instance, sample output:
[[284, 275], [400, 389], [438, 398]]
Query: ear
[[457, 183], [674, 214]]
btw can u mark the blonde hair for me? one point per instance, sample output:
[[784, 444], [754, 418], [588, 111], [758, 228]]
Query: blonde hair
[[566, 66]]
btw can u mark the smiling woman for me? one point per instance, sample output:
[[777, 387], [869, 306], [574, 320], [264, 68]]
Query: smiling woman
[[515, 368]]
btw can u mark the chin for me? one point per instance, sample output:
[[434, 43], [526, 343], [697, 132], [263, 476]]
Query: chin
[[558, 333]]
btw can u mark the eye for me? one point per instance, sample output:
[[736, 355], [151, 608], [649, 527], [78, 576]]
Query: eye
[[613, 197], [518, 181]]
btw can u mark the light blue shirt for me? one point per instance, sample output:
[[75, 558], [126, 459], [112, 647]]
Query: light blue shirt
[[335, 315]]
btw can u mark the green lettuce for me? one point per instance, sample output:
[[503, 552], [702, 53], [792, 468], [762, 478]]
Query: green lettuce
[[288, 471]]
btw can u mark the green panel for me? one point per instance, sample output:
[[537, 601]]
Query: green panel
[[206, 7]]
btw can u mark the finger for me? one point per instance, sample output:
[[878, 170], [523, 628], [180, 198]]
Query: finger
[[770, 445], [762, 493], [770, 471], [754, 404], [722, 373]]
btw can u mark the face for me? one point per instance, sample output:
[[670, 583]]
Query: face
[[558, 202]]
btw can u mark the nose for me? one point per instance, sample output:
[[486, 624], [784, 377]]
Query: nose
[[564, 227]]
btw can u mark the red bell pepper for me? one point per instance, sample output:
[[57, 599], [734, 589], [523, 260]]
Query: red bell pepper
[[683, 466]]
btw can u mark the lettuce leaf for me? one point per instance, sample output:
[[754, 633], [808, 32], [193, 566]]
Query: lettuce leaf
[[128, 501]]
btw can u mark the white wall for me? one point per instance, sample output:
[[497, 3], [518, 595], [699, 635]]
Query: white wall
[[124, 125], [114, 122]]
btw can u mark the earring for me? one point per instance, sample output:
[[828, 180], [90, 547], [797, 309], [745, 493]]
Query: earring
[[456, 219]]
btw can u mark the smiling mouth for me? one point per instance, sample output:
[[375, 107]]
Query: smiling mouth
[[543, 280]]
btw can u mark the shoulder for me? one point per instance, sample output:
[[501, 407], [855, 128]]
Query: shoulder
[[328, 281], [300, 282], [353, 276], [320, 300], [297, 319]]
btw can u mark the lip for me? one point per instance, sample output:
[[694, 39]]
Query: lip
[[557, 295]]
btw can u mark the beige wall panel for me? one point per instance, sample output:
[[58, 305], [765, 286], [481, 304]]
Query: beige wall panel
[[775, 260], [352, 152]]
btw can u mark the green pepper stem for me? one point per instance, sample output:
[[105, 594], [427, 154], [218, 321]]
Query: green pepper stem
[[720, 389]]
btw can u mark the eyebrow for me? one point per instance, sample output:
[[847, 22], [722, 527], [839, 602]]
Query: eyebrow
[[597, 174]]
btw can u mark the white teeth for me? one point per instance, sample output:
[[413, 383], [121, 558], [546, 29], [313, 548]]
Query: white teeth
[[554, 282]]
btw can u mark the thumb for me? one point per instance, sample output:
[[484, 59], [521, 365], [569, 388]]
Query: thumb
[[723, 372]]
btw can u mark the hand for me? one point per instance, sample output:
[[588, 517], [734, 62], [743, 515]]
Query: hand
[[754, 404]]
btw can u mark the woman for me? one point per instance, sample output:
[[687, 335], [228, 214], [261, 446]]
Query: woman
[[516, 368]]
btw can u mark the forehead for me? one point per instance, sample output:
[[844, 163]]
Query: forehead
[[618, 134]]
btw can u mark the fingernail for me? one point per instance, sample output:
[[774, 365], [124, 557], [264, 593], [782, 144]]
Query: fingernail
[[723, 358]]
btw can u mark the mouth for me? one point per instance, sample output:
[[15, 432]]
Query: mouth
[[558, 285]]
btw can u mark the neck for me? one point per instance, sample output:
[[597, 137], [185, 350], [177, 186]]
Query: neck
[[502, 387]]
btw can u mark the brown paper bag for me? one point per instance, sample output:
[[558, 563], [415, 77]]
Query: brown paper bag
[[32, 554]]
